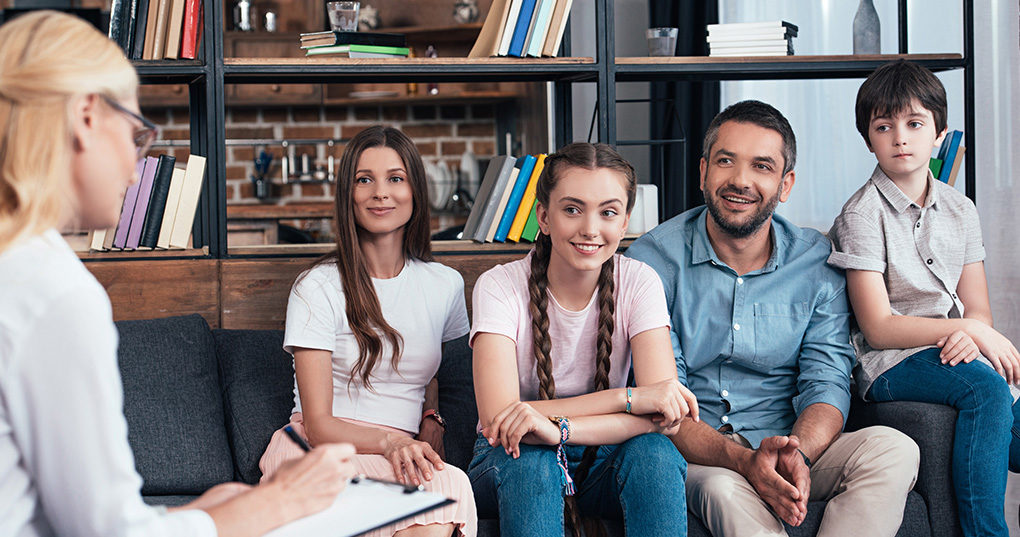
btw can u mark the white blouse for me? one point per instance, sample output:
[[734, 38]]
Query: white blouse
[[424, 303], [66, 467]]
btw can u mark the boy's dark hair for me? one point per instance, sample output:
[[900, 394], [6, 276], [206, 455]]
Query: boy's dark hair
[[756, 113], [891, 89]]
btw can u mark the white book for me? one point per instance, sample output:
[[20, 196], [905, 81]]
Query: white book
[[751, 26], [753, 48], [750, 53], [502, 204], [508, 30], [173, 199], [738, 44], [717, 37], [190, 193], [96, 239]]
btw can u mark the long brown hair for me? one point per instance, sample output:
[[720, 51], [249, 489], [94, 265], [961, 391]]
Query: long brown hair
[[364, 314], [589, 157]]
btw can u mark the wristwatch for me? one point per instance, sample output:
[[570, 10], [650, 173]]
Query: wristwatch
[[434, 414]]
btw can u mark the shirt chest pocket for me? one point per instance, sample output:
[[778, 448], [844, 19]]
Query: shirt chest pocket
[[778, 332]]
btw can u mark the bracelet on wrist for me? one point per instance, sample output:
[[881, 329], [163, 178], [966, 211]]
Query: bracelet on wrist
[[561, 455], [629, 395], [433, 414], [807, 461]]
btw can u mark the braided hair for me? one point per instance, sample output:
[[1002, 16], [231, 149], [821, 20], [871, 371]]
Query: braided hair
[[590, 157]]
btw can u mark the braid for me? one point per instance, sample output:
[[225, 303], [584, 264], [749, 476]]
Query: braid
[[538, 284], [603, 349]]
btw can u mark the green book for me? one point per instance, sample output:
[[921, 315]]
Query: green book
[[354, 49], [531, 226], [936, 166]]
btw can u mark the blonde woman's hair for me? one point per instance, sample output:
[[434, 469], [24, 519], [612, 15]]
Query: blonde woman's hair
[[47, 59]]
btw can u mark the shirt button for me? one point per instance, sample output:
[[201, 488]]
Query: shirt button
[[918, 225], [740, 281], [929, 261], [736, 326], [725, 393], [725, 419]]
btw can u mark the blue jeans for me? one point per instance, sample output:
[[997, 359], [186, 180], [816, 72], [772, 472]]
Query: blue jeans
[[987, 437], [640, 481]]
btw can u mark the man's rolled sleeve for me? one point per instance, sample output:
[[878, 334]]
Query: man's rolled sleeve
[[826, 357], [857, 243]]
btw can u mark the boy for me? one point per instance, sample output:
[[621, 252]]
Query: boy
[[913, 255]]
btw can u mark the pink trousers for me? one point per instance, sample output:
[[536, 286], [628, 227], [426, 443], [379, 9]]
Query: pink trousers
[[451, 481]]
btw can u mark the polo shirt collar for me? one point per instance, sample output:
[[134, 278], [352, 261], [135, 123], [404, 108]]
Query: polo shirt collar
[[896, 198]]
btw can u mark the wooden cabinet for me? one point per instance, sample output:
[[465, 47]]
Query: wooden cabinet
[[268, 45]]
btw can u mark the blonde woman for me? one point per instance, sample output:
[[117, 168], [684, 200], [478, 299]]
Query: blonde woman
[[70, 135]]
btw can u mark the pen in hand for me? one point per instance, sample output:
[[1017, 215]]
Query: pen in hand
[[305, 447]]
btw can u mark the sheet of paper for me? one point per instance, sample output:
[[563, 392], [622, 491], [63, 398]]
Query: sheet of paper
[[362, 507]]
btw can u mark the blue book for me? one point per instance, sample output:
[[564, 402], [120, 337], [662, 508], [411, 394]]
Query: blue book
[[527, 164], [952, 147], [521, 30]]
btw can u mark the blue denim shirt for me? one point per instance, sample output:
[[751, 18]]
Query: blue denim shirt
[[769, 343]]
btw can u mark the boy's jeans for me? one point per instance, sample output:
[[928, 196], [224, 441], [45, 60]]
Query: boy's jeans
[[640, 481], [987, 437]]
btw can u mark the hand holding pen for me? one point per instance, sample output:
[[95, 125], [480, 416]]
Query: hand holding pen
[[355, 478]]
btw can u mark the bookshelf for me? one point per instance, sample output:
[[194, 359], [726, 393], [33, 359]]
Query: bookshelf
[[206, 77]]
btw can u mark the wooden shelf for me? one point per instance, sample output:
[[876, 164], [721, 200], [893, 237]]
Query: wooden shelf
[[123, 255], [402, 70], [475, 97], [280, 212], [631, 69], [168, 71]]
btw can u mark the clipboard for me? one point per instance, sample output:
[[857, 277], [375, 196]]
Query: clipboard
[[364, 505]]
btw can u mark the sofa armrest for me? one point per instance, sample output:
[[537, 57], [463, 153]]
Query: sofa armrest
[[457, 402], [932, 427]]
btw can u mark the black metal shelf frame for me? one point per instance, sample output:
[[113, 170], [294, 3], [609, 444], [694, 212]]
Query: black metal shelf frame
[[206, 78]]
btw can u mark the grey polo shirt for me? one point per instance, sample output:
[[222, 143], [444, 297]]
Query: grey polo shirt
[[920, 252]]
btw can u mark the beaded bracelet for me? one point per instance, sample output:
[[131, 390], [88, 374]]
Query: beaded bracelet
[[627, 410], [561, 454]]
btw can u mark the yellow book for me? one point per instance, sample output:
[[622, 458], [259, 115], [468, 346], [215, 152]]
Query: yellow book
[[527, 202]]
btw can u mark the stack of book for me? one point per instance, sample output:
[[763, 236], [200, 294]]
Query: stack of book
[[159, 209], [355, 44], [522, 28], [157, 29], [946, 165], [774, 38]]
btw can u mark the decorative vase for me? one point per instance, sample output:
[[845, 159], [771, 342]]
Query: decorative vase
[[867, 29]]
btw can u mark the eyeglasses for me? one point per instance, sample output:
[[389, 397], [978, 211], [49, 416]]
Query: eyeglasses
[[145, 135]]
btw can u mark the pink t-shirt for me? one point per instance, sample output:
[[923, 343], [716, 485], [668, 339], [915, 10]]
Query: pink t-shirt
[[500, 301]]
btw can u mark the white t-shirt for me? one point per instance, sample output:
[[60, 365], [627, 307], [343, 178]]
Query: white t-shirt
[[424, 303], [66, 467], [502, 303]]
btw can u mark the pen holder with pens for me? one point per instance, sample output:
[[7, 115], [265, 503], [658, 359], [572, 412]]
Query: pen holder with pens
[[295, 168]]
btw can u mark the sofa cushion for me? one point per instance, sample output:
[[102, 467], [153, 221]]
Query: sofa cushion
[[457, 402], [173, 406], [258, 383]]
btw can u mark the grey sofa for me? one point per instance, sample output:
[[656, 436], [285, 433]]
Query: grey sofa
[[202, 404]]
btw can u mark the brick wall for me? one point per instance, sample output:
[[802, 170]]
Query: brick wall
[[442, 133]]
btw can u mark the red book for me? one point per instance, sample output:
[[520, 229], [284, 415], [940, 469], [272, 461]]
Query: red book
[[192, 27]]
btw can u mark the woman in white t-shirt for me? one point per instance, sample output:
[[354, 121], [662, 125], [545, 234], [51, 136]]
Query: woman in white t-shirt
[[553, 335], [70, 135], [366, 326]]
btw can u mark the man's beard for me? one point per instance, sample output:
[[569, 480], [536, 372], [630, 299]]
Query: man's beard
[[749, 227]]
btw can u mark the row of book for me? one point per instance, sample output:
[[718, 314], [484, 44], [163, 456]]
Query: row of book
[[946, 164], [159, 209], [157, 29], [522, 28], [773, 38], [504, 208], [355, 44]]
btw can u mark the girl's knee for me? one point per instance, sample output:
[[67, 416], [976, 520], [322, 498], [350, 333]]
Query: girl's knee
[[654, 452]]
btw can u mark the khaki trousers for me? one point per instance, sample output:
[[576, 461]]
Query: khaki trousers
[[864, 475]]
